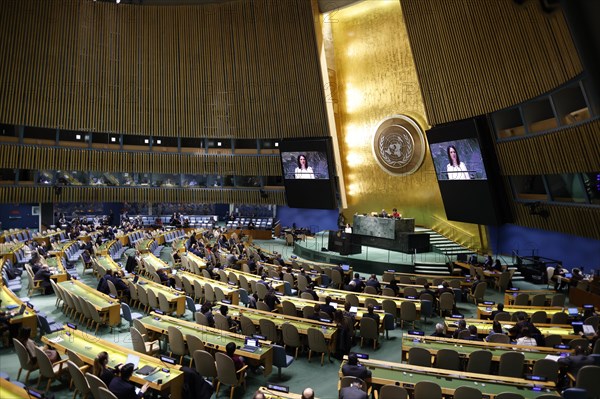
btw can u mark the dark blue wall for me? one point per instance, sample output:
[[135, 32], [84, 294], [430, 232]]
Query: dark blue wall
[[18, 216], [314, 219], [573, 251]]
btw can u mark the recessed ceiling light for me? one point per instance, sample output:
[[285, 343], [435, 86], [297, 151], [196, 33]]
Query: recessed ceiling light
[[78, 137], [158, 141], [113, 139], [218, 143], [276, 144], [146, 141]]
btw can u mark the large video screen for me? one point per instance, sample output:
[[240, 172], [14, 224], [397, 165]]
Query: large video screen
[[458, 160], [466, 170], [308, 173], [305, 165]]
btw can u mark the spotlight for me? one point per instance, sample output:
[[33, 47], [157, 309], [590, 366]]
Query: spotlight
[[158, 141], [276, 144], [146, 141], [218, 143], [78, 137], [113, 139]]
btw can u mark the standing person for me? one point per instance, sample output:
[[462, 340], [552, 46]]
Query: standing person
[[557, 277], [303, 171], [122, 388], [456, 169]]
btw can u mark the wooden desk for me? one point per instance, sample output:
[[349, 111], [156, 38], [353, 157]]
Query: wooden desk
[[212, 338], [88, 346], [484, 310], [466, 347], [272, 394], [10, 300], [175, 297], [510, 296], [103, 303], [231, 292], [300, 303], [407, 376], [144, 245], [277, 285], [59, 274], [108, 263], [411, 278], [192, 258], [329, 329], [45, 238], [7, 251], [8, 390], [339, 296], [104, 248], [484, 327]]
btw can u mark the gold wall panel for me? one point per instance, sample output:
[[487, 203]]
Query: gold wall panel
[[573, 149], [376, 78], [478, 56], [238, 69]]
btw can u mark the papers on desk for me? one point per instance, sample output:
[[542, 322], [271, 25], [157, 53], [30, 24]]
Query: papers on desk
[[56, 340], [552, 357]]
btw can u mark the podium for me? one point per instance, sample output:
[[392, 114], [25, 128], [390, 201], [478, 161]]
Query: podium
[[344, 243], [392, 234]]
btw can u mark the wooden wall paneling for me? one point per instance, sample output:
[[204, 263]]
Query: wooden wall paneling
[[489, 62], [570, 150]]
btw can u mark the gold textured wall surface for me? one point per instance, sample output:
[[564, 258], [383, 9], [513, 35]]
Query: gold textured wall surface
[[376, 78], [238, 69], [478, 56]]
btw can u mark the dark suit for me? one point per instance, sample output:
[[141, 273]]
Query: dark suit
[[43, 275], [122, 389], [328, 309], [352, 393], [373, 316], [358, 371]]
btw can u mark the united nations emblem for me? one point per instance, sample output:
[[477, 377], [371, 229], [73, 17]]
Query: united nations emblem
[[399, 145]]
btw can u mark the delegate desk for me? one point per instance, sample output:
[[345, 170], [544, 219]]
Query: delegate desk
[[277, 285], [486, 310], [408, 376], [194, 259], [179, 245], [339, 296], [104, 248], [103, 303], [175, 297], [154, 263], [484, 327], [212, 338], [87, 346], [230, 291], [11, 303], [8, 390], [8, 251], [59, 274], [511, 295], [300, 303], [107, 263], [466, 347], [144, 245], [329, 329], [409, 278], [273, 394], [45, 238]]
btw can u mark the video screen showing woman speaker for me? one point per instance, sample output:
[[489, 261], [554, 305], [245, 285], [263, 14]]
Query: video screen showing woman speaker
[[458, 160], [299, 165]]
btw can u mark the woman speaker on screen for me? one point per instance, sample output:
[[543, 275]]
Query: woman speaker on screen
[[456, 169], [303, 171]]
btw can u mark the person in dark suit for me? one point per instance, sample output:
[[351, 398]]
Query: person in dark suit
[[122, 388], [427, 290], [575, 362], [101, 370], [359, 285], [373, 282], [473, 334], [327, 308], [354, 391], [495, 312], [370, 313], [354, 369], [43, 275]]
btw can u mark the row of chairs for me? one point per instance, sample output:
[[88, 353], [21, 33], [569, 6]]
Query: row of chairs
[[17, 235], [541, 317], [79, 308], [146, 299], [170, 236], [522, 299], [511, 363], [136, 236]]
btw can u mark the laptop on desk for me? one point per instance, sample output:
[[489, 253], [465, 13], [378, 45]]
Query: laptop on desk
[[250, 345]]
